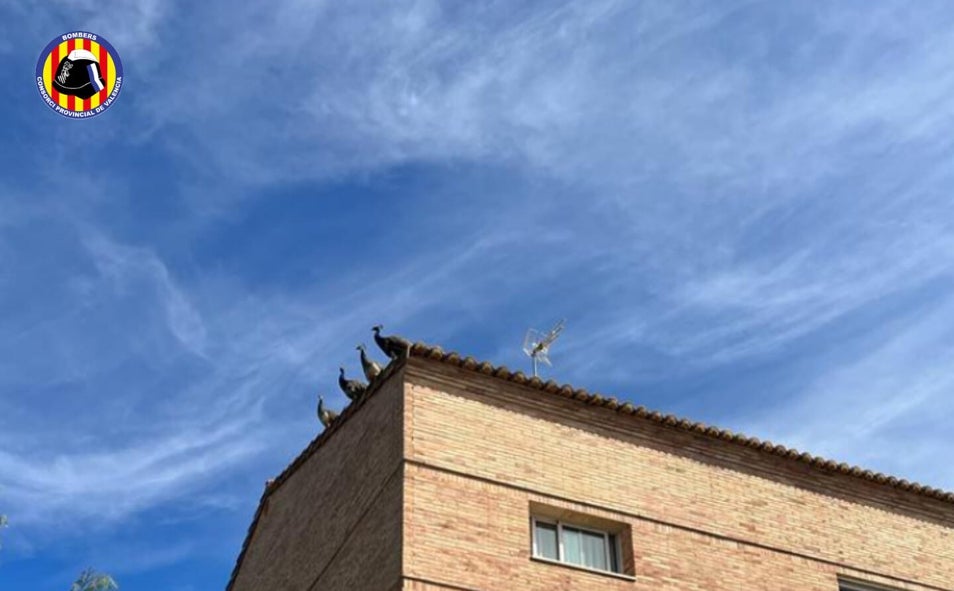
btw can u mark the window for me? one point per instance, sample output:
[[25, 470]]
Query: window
[[850, 586], [572, 544]]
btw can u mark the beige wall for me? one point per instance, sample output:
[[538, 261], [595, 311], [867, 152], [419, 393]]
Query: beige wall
[[481, 449], [335, 523]]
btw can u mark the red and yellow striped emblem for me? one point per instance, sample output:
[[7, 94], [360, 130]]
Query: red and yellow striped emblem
[[103, 59]]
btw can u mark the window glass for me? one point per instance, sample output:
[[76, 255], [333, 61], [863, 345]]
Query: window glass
[[545, 537], [575, 545], [572, 546], [594, 550]]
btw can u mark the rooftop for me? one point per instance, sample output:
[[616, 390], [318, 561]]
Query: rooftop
[[638, 413]]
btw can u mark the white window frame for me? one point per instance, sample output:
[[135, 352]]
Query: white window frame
[[611, 545]]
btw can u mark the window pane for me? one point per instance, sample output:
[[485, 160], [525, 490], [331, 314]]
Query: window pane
[[594, 550], [572, 546], [545, 536]]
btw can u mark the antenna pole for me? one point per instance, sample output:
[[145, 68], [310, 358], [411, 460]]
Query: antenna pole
[[537, 346]]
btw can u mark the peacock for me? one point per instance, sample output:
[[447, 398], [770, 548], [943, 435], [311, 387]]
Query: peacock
[[393, 346], [353, 389], [371, 367], [325, 415]]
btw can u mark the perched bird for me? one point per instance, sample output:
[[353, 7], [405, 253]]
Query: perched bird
[[393, 346], [353, 389], [326, 416], [370, 366]]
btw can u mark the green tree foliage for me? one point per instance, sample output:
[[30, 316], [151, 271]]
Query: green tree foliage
[[93, 581], [89, 580]]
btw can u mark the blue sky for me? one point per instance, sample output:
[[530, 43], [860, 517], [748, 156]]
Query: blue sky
[[743, 210]]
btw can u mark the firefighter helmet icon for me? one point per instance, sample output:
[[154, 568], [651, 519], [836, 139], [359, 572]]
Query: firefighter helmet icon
[[79, 75]]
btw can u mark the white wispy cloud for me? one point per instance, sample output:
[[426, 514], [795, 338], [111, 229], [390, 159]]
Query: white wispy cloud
[[763, 305], [130, 447], [693, 186], [111, 484], [690, 149], [579, 91], [132, 27], [250, 381], [123, 265], [887, 409]]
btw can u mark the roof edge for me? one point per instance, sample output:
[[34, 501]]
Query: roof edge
[[435, 353], [424, 351], [272, 485]]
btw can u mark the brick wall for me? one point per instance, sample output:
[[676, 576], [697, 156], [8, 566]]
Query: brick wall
[[335, 523], [428, 486], [704, 514]]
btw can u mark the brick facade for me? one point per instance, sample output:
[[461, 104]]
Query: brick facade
[[335, 521], [430, 484]]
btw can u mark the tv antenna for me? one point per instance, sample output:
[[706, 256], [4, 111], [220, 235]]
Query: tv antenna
[[537, 345]]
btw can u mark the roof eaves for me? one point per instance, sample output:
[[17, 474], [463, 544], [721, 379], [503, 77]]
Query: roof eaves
[[424, 351]]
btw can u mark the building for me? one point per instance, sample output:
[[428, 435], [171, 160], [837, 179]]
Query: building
[[451, 474]]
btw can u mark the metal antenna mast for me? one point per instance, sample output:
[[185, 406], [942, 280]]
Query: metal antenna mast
[[537, 345]]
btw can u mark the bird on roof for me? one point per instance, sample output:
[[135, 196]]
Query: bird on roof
[[371, 367], [393, 346], [353, 389], [325, 415]]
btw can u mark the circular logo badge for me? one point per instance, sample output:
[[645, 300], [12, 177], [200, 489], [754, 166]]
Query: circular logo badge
[[79, 75]]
